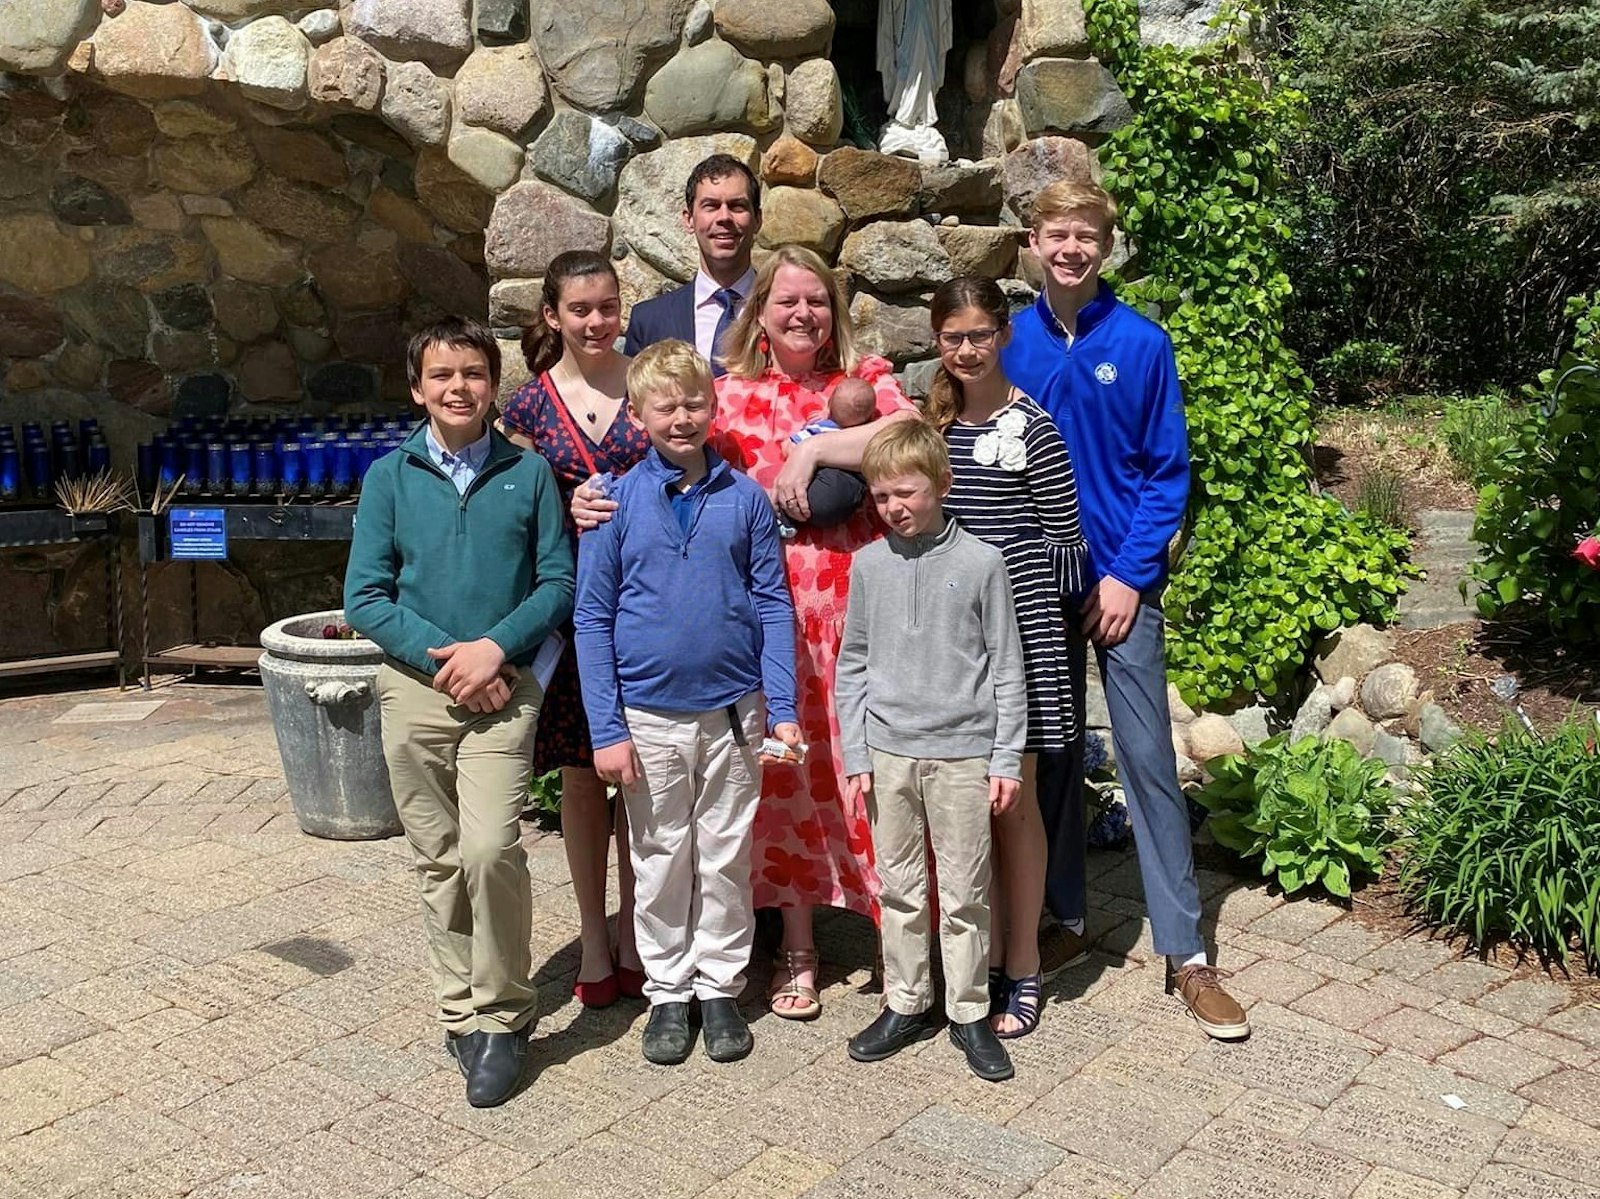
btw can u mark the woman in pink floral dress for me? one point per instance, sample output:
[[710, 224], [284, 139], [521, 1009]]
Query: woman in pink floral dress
[[790, 347]]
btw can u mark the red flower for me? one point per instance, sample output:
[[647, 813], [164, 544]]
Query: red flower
[[786, 870], [811, 832], [1588, 552]]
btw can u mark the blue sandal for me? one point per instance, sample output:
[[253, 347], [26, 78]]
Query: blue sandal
[[1023, 1005]]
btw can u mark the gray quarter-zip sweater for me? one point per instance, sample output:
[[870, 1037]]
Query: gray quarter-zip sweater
[[931, 663]]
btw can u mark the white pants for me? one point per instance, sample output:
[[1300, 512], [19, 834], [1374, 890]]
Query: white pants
[[689, 833]]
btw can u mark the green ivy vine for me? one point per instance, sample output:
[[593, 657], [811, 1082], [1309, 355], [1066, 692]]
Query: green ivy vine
[[1270, 564]]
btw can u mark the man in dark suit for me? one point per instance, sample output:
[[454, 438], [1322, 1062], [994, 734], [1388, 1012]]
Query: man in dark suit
[[722, 208]]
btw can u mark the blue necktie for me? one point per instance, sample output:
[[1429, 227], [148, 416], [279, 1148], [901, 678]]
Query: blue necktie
[[729, 299]]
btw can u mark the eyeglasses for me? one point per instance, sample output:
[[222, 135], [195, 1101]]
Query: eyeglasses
[[981, 339]]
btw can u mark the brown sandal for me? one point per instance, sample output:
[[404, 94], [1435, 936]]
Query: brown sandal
[[789, 965]]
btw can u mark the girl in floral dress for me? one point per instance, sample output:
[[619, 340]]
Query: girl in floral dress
[[1013, 487], [573, 413]]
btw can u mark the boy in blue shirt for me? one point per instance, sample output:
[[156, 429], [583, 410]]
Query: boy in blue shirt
[[1109, 378], [459, 569], [683, 623]]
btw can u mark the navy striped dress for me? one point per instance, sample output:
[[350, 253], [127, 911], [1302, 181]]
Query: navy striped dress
[[1013, 488]]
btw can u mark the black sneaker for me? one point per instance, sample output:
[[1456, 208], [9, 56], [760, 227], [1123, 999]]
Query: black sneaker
[[985, 1055], [890, 1033], [668, 1037], [727, 1036]]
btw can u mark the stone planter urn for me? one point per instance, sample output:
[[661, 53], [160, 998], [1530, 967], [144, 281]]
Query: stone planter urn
[[322, 695]]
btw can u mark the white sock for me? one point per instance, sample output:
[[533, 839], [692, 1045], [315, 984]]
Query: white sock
[[1075, 927], [1194, 959]]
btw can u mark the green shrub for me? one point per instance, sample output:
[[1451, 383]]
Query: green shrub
[[1543, 498], [1314, 812], [1476, 431], [1268, 565], [1505, 841], [544, 793]]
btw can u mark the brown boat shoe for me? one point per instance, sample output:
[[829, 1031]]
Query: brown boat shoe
[[1214, 1010], [1059, 947]]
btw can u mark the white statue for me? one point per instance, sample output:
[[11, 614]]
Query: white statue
[[913, 38]]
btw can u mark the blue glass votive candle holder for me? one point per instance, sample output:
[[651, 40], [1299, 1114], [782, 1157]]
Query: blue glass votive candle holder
[[98, 456], [10, 473], [342, 469], [239, 467], [315, 453], [41, 475], [266, 468], [194, 467], [291, 467]]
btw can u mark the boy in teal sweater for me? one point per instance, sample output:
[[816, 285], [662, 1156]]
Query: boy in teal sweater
[[459, 569]]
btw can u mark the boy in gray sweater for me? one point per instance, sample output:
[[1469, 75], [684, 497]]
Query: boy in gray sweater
[[933, 713]]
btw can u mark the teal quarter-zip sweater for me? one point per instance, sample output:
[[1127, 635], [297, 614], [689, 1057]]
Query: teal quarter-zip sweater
[[429, 567]]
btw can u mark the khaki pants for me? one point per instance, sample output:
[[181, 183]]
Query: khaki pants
[[945, 801], [460, 782], [689, 826]]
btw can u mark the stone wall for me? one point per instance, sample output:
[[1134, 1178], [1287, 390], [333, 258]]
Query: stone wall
[[241, 205]]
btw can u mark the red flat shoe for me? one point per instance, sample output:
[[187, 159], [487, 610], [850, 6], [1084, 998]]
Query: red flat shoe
[[630, 982], [602, 992]]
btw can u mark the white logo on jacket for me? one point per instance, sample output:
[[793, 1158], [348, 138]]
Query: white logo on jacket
[[1106, 373]]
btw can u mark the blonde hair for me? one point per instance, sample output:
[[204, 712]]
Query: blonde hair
[[669, 365], [744, 355], [1064, 198], [906, 447]]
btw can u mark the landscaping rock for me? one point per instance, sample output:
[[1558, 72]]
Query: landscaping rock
[[519, 301], [139, 384], [154, 51], [801, 215], [1179, 711], [532, 223], [243, 312], [117, 124], [898, 332], [642, 135], [1388, 691], [300, 155], [29, 328], [1184, 23], [451, 194], [436, 32], [1071, 96], [706, 88], [869, 184], [1350, 725], [353, 278], [309, 214], [439, 276], [185, 307], [416, 103], [650, 199], [1352, 651], [401, 214], [764, 29], [1314, 715], [999, 131], [1390, 750], [637, 280], [1342, 693], [492, 160], [812, 103], [789, 162], [1210, 736], [78, 201], [596, 54], [1180, 739], [1190, 772], [1252, 723], [301, 306], [150, 261], [501, 88], [989, 250], [205, 165], [503, 20], [346, 73], [159, 211], [177, 352], [580, 153], [1052, 28], [37, 257], [269, 374], [115, 318], [38, 36], [1037, 163], [247, 251], [267, 59], [190, 118], [319, 27], [896, 256], [1437, 731], [960, 187]]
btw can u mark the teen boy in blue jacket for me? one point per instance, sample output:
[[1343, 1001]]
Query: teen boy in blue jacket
[[459, 569], [683, 622], [1109, 378]]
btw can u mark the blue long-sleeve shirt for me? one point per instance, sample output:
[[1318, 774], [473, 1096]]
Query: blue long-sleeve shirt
[[1114, 394], [683, 617]]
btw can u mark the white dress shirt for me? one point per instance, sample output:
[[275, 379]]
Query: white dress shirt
[[708, 310], [463, 467]]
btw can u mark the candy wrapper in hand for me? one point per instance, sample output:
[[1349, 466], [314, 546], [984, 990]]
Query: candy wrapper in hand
[[773, 750], [600, 484]]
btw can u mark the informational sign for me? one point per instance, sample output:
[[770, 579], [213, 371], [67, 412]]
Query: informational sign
[[198, 533]]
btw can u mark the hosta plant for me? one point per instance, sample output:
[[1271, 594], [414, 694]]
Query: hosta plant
[[1315, 812]]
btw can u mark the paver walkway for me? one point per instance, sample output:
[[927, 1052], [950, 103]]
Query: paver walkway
[[197, 999], [1444, 548]]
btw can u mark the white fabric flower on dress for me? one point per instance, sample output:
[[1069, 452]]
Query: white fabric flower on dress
[[1011, 423], [1013, 454], [986, 449]]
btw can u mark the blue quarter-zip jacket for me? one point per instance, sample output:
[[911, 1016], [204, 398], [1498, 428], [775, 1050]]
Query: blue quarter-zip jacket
[[429, 567], [683, 620], [1114, 394]]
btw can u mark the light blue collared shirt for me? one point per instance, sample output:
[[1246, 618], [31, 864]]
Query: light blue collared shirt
[[463, 467]]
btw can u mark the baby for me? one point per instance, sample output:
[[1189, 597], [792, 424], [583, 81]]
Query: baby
[[835, 495]]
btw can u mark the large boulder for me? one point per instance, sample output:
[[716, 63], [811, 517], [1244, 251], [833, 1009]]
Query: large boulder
[[1185, 23], [532, 223], [1069, 95], [450, 194], [898, 332], [77, 201], [989, 250], [354, 279], [301, 154], [242, 311], [1037, 163], [961, 187], [1315, 714], [311, 214], [247, 251], [1052, 28], [580, 153], [205, 166], [416, 103], [346, 73], [490, 158], [37, 256], [789, 29], [1210, 736], [149, 261], [1350, 725], [267, 61], [789, 162], [29, 327], [802, 216], [112, 317], [503, 20], [437, 32], [439, 276], [896, 256], [650, 199], [812, 103], [154, 51], [868, 184], [1388, 691], [1352, 652], [501, 88], [706, 88], [38, 36], [1436, 730], [596, 53]]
